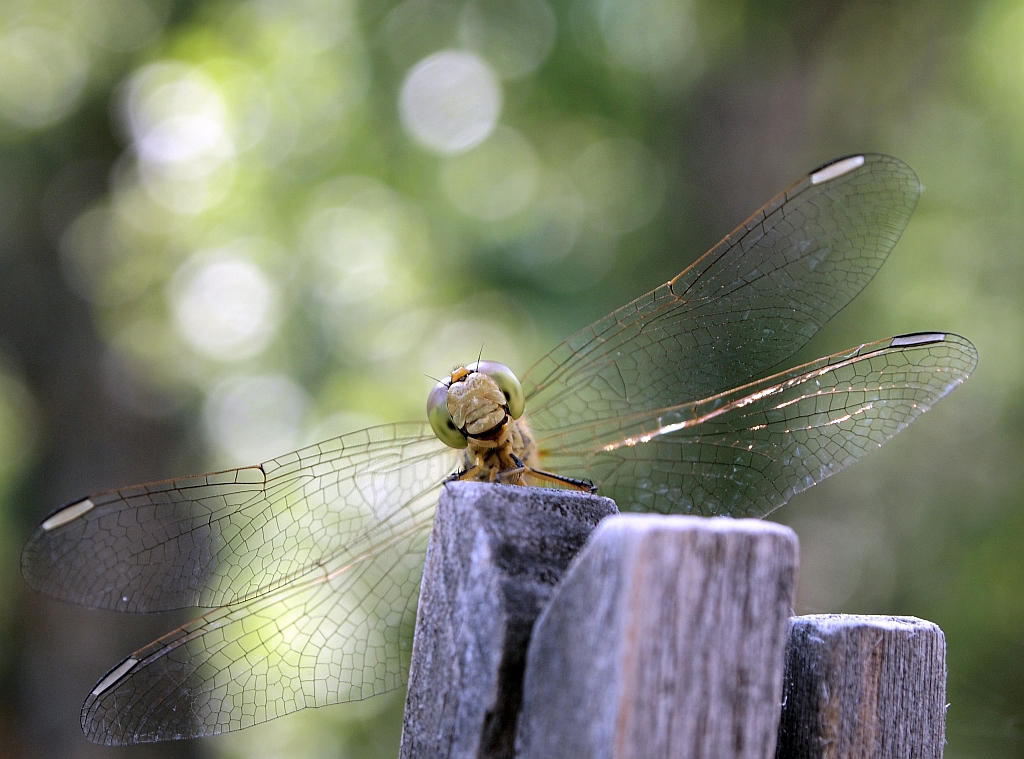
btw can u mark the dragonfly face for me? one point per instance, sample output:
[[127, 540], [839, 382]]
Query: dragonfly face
[[480, 408], [310, 562], [475, 402]]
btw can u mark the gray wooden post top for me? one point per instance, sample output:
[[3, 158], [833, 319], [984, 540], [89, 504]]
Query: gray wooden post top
[[863, 686], [638, 524], [665, 639], [837, 624], [495, 554]]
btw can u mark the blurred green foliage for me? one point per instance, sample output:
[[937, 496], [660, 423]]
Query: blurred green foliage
[[248, 225]]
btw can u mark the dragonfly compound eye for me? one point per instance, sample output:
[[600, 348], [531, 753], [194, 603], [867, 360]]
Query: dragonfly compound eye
[[507, 382], [441, 419]]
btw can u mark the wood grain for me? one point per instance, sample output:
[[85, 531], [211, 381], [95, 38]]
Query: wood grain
[[863, 686], [495, 555], [665, 639]]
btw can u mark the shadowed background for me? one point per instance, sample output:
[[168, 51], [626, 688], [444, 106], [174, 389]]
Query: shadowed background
[[229, 229]]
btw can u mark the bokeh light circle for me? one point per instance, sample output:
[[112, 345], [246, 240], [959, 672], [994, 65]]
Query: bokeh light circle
[[450, 101], [622, 183], [224, 305], [179, 125], [495, 180], [42, 75], [356, 251], [252, 419], [516, 36], [651, 36]]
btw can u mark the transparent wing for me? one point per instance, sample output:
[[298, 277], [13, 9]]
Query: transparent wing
[[341, 634], [749, 303], [745, 452], [225, 537]]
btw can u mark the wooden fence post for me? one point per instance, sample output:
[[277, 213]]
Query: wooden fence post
[[866, 687], [495, 555], [665, 639]]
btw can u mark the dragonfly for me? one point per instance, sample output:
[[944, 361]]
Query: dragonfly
[[307, 565]]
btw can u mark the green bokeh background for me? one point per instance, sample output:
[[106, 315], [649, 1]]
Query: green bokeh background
[[220, 239]]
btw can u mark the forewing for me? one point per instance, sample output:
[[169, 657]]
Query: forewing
[[747, 451], [220, 538], [341, 633], [745, 306]]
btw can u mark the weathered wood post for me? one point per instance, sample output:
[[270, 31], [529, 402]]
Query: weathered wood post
[[862, 686], [665, 639], [495, 555]]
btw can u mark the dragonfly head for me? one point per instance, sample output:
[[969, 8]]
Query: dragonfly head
[[476, 401]]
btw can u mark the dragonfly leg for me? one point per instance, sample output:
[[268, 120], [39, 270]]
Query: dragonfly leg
[[510, 474], [514, 473], [572, 482], [503, 477], [463, 474]]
